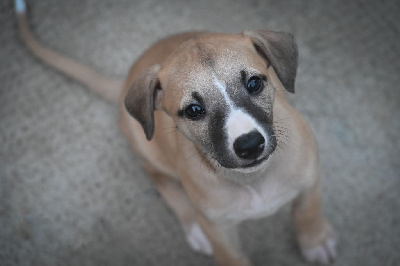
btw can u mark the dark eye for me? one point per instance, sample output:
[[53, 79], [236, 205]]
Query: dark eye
[[254, 84], [194, 111]]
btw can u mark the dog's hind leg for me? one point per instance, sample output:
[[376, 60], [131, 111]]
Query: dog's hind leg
[[173, 193]]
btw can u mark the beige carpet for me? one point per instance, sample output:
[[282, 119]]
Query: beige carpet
[[73, 193]]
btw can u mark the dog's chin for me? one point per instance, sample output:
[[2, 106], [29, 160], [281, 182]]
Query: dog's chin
[[250, 167], [254, 166], [256, 162], [247, 173], [240, 167]]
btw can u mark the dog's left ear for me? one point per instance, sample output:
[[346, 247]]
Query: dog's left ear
[[141, 98], [281, 50]]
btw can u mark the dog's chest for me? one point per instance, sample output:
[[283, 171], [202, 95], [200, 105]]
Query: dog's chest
[[264, 200]]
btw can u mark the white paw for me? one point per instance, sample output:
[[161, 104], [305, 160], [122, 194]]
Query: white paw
[[323, 253], [197, 240]]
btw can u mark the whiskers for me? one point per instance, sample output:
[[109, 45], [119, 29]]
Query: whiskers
[[211, 164], [207, 161], [170, 130], [282, 134], [191, 156]]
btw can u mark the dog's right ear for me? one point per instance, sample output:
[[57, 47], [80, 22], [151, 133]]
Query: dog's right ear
[[141, 97]]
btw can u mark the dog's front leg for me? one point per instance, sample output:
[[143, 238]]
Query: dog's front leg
[[178, 201], [225, 240], [314, 233]]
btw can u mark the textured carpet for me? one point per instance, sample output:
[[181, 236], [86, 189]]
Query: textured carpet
[[73, 193]]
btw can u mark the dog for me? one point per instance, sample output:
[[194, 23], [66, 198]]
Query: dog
[[238, 150]]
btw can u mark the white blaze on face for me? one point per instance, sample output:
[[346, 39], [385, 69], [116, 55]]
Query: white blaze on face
[[222, 89], [239, 122]]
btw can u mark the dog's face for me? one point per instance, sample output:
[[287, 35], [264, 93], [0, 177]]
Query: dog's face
[[225, 99], [217, 90]]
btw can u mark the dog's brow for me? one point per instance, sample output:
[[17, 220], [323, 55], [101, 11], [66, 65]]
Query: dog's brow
[[263, 77], [198, 98], [195, 96], [243, 76]]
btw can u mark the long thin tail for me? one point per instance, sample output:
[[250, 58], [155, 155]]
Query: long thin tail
[[107, 87]]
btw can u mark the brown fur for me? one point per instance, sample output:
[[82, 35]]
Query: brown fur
[[192, 183]]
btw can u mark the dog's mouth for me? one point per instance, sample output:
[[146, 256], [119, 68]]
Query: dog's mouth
[[256, 162]]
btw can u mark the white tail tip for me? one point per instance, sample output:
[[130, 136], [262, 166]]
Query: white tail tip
[[20, 6]]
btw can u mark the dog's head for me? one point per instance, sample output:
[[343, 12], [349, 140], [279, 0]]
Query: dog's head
[[217, 89]]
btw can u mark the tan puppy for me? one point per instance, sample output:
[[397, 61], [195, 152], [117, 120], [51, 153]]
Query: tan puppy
[[238, 151]]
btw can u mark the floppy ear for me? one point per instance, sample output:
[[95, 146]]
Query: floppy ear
[[281, 50], [140, 99]]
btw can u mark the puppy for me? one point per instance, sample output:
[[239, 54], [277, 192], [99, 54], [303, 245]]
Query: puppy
[[239, 150]]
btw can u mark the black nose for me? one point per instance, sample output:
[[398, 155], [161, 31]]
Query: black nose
[[250, 145]]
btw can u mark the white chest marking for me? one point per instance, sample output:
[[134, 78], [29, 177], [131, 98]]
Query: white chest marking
[[256, 202], [252, 204]]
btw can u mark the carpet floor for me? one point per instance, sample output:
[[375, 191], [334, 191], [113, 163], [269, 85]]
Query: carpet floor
[[73, 193]]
